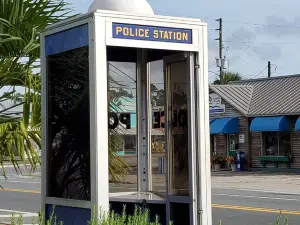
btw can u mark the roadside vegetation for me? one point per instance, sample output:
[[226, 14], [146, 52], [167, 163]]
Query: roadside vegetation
[[21, 22], [139, 217]]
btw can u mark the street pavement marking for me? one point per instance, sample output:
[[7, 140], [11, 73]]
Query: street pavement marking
[[259, 197], [21, 190], [220, 206], [254, 209], [23, 215]]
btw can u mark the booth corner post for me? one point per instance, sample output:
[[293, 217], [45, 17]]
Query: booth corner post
[[76, 115]]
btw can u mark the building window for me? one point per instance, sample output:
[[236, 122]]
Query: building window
[[232, 144], [277, 143]]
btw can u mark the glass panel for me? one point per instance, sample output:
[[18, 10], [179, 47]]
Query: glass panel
[[271, 143], [158, 131], [284, 143], [69, 124], [179, 129], [122, 126]]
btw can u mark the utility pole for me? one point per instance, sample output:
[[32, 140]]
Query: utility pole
[[220, 48], [269, 69]]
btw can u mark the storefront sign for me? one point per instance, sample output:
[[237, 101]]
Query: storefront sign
[[151, 33], [215, 104], [242, 138]]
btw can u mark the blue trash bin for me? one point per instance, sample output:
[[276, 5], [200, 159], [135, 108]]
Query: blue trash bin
[[240, 161]]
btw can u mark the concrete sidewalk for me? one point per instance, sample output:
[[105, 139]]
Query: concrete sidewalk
[[284, 183], [277, 182]]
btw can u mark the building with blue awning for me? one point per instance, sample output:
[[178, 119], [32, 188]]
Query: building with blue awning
[[260, 117]]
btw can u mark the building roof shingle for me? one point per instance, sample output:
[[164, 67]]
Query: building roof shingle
[[239, 96], [274, 96]]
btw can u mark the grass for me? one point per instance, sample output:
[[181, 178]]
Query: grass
[[139, 217]]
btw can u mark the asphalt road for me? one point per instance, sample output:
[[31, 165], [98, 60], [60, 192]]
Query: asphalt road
[[232, 207]]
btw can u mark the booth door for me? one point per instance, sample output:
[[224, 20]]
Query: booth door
[[179, 85]]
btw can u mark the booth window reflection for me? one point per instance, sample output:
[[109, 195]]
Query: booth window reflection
[[179, 146], [122, 124], [158, 145], [69, 124]]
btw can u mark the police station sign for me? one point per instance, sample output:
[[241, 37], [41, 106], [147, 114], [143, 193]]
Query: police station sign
[[151, 33], [215, 104]]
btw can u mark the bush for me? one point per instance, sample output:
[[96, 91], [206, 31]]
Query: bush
[[140, 217]]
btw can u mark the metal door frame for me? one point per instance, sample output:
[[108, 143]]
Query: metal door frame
[[190, 70]]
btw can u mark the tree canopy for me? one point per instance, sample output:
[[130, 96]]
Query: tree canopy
[[228, 77], [21, 22]]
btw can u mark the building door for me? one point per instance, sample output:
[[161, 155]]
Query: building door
[[232, 140]]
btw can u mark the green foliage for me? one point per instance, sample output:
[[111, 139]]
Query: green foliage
[[139, 217], [21, 22], [228, 77]]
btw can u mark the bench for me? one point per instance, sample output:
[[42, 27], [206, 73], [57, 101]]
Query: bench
[[275, 159]]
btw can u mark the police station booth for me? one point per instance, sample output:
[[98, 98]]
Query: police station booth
[[78, 119]]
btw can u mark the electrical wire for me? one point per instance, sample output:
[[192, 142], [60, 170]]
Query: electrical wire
[[258, 60], [267, 43], [251, 47], [260, 72], [122, 72], [230, 21]]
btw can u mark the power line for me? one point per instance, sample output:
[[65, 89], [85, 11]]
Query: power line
[[261, 24], [243, 41], [122, 72], [230, 21], [237, 55], [250, 46], [267, 43], [260, 72], [259, 60]]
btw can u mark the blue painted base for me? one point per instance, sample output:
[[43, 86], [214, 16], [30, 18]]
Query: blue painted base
[[69, 215]]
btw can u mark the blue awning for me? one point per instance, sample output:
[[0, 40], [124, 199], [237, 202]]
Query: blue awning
[[297, 125], [211, 120], [274, 123], [227, 125]]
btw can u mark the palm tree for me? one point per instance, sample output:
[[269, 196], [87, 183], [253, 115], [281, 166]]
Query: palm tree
[[228, 77], [21, 22], [20, 25]]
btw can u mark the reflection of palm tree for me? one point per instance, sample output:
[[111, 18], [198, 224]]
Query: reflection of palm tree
[[70, 128]]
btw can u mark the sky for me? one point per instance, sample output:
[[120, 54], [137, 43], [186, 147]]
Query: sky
[[254, 32]]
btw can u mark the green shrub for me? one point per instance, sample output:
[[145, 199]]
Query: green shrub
[[139, 217]]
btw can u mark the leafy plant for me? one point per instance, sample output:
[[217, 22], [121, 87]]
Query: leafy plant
[[21, 22], [140, 217], [228, 77], [217, 159], [230, 159]]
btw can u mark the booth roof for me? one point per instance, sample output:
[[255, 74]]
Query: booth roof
[[135, 6], [263, 97]]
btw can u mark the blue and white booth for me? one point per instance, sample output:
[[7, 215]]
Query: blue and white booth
[[77, 119]]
